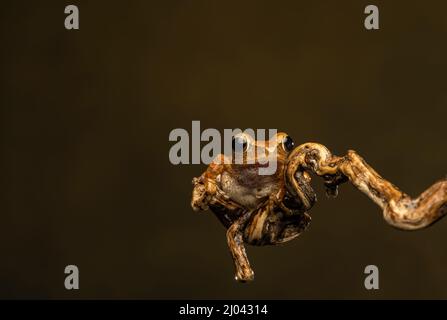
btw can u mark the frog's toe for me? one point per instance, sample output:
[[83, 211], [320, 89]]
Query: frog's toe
[[245, 275]]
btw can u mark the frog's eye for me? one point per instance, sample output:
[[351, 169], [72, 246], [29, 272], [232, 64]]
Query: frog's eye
[[239, 143], [288, 144]]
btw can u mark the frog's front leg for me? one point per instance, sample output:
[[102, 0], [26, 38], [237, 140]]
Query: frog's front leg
[[235, 241], [201, 194], [205, 187]]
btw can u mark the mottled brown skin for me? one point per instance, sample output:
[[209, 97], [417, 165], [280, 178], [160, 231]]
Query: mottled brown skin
[[269, 210]]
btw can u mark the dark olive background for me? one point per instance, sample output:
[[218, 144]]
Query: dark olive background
[[86, 117]]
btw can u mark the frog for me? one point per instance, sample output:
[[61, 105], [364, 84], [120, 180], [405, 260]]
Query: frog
[[271, 209]]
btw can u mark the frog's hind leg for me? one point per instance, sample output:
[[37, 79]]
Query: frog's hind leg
[[236, 245], [399, 209], [271, 225], [266, 225]]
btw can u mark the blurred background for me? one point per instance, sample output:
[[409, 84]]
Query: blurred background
[[86, 115]]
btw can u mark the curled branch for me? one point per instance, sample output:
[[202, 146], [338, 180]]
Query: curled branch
[[399, 209]]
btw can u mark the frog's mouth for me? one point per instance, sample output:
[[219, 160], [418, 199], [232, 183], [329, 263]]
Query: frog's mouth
[[264, 168]]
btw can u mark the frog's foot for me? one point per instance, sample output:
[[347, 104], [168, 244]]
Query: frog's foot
[[244, 275]]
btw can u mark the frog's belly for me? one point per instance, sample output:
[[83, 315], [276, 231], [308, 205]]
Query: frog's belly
[[248, 196]]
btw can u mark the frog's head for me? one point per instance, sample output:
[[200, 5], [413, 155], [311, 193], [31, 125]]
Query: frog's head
[[257, 168], [267, 166], [253, 153]]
